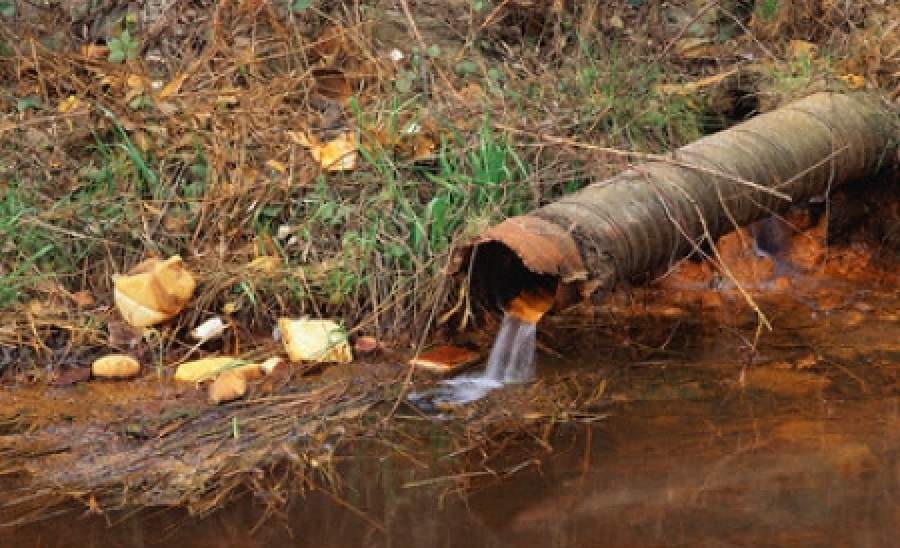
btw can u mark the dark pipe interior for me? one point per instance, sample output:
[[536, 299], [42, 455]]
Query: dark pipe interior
[[499, 275]]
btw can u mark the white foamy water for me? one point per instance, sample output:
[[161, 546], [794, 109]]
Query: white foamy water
[[511, 361], [512, 356]]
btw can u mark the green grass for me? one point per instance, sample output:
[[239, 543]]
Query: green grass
[[28, 249], [367, 246]]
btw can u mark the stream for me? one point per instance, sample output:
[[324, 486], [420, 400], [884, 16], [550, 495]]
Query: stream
[[707, 442]]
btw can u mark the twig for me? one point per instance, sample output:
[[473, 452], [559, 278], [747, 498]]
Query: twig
[[355, 510], [423, 54], [681, 31], [649, 157]]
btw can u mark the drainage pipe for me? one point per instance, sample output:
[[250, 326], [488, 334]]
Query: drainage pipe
[[658, 211]]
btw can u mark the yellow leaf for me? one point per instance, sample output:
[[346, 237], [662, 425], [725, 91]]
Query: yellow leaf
[[339, 154], [70, 104], [691, 87], [275, 165], [135, 82], [802, 48], [173, 86], [853, 81]]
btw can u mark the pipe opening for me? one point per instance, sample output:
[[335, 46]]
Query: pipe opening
[[500, 282]]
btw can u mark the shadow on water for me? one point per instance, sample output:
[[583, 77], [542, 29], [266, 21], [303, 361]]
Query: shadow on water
[[704, 447]]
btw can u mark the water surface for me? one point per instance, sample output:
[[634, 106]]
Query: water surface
[[709, 441]]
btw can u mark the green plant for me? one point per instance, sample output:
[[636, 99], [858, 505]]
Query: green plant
[[620, 99], [23, 246], [122, 48], [767, 9], [145, 177]]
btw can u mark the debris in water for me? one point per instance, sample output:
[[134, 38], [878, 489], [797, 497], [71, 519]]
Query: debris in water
[[208, 368], [228, 386], [315, 340], [115, 366], [444, 359], [210, 329], [511, 360], [71, 376], [153, 291]]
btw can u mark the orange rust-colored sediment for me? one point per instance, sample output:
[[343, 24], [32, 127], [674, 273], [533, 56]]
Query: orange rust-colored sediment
[[635, 224], [530, 305], [444, 359]]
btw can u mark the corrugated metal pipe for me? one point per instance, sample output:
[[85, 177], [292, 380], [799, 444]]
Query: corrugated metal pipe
[[658, 211]]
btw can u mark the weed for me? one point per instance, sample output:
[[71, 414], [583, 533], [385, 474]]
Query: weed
[[25, 245], [122, 48], [624, 105], [767, 9]]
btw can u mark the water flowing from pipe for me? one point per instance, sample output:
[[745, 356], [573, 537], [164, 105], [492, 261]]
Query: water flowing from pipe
[[511, 361], [512, 356]]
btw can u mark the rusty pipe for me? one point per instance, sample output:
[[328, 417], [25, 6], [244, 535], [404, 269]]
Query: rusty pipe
[[659, 211]]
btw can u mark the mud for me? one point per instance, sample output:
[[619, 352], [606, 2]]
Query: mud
[[703, 430]]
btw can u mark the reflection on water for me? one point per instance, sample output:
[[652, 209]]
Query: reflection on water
[[797, 446]]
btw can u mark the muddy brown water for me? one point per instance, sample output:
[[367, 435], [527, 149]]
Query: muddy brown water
[[708, 442]]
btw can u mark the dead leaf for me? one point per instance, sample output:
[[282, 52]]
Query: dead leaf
[[315, 340], [444, 359], [802, 49], [72, 103], [853, 81], [330, 43], [266, 264], [339, 154], [72, 376], [332, 83], [275, 165], [207, 368], [95, 51], [698, 47], [365, 344], [692, 87], [115, 366], [173, 86], [227, 387], [83, 298]]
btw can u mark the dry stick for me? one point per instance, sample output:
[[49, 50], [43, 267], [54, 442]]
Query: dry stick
[[423, 54], [747, 32], [708, 235], [165, 21], [19, 124], [492, 15], [650, 157], [354, 509], [678, 36]]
